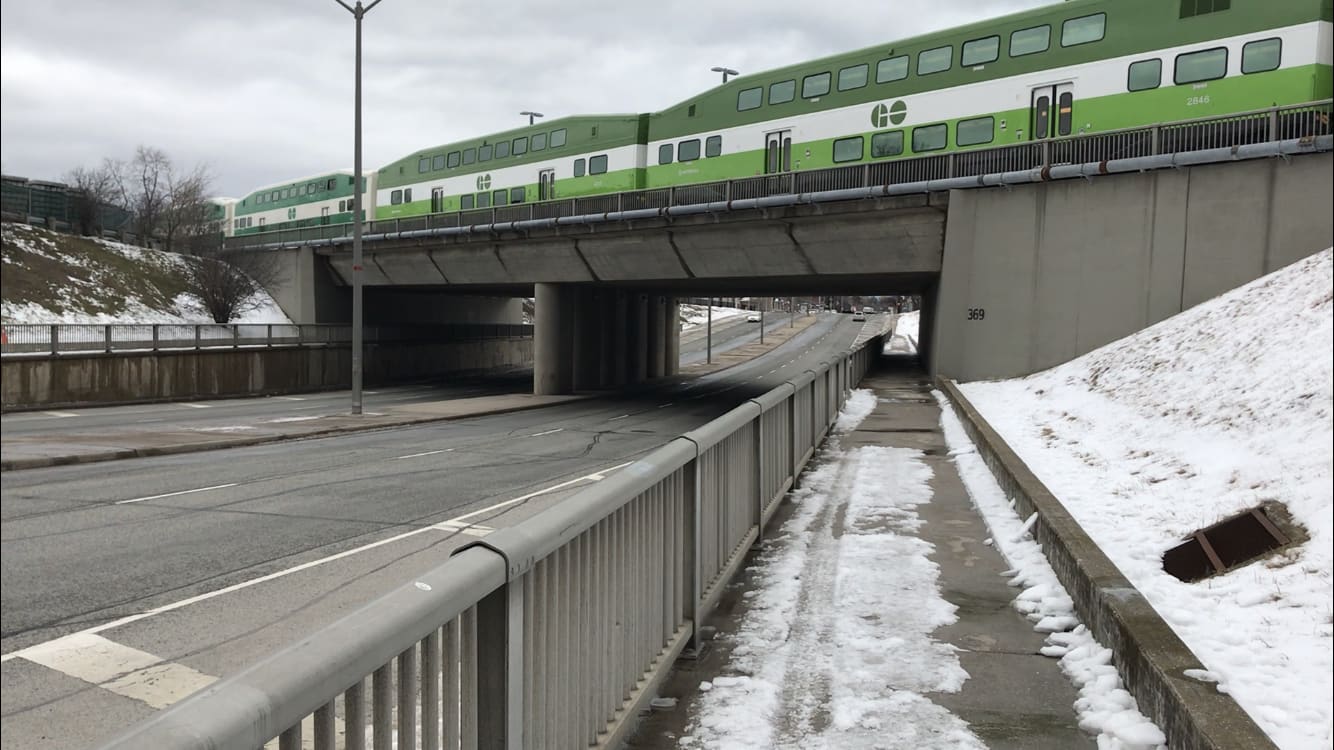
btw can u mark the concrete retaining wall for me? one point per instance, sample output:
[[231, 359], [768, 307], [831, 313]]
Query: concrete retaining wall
[[1036, 275], [128, 377], [1148, 654]]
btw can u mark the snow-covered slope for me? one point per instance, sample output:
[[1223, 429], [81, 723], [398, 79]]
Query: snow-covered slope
[[59, 278], [1216, 410]]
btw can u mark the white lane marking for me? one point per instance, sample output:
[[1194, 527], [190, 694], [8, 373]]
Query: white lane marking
[[120, 669], [370, 393], [146, 421], [613, 419], [465, 528], [289, 398], [664, 406], [198, 406], [174, 494], [594, 477], [548, 432], [60, 414], [419, 455]]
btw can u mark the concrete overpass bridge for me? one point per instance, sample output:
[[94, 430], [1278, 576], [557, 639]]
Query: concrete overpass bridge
[[1026, 256]]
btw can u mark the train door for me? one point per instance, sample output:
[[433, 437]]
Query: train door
[[437, 200], [778, 152], [546, 184], [1052, 111]]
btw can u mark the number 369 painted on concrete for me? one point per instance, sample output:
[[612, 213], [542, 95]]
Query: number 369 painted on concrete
[[977, 313]]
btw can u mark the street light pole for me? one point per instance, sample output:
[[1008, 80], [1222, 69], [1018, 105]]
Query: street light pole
[[532, 116], [725, 71], [357, 189]]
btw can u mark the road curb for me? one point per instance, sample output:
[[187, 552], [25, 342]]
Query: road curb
[[41, 462], [1149, 655]]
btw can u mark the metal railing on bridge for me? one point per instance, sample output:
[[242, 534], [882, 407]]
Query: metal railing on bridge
[[551, 633], [1259, 126], [33, 338]]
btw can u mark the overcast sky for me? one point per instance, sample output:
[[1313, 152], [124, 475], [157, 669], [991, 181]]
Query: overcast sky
[[261, 90]]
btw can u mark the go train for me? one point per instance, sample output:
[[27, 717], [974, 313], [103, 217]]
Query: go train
[[1082, 66]]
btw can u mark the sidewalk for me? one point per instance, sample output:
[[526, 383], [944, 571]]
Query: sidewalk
[[876, 616]]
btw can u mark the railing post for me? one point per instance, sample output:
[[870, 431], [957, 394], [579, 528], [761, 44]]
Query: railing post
[[197, 327], [55, 340], [1271, 123], [690, 526], [236, 336], [1156, 140], [1046, 153], [106, 336], [268, 335], [500, 668], [759, 476], [155, 336]]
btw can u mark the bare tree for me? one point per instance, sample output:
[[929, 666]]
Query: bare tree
[[92, 190], [228, 284], [188, 213], [143, 186]]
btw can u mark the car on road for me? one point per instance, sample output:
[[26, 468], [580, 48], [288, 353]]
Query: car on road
[[753, 318], [859, 317]]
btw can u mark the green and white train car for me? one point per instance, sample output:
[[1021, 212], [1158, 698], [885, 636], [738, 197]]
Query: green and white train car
[[1078, 67], [317, 200], [1084, 66], [565, 158]]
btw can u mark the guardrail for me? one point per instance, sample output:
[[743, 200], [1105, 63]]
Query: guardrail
[[1258, 126], [31, 338], [548, 634]]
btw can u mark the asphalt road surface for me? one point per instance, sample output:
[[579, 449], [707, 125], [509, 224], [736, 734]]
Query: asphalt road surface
[[207, 561]]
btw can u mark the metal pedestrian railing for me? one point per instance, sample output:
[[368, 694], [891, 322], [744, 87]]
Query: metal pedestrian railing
[[1258, 126], [34, 338], [552, 633]]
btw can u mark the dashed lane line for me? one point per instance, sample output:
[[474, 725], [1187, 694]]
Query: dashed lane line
[[120, 669], [548, 432], [419, 455], [175, 494]]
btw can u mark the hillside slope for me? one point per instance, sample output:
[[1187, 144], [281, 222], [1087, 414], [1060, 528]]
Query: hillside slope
[[49, 277]]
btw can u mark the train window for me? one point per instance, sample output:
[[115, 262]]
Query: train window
[[539, 141], [310, 188], [342, 206], [1257, 57], [484, 153], [930, 138], [438, 162], [815, 85], [597, 164], [558, 138], [407, 195], [886, 144], [424, 164], [1030, 41], [578, 167], [1144, 74], [520, 145], [516, 195], [782, 92], [1205, 65], [1083, 30], [483, 200], [665, 153], [891, 69], [713, 146], [1199, 7], [848, 149], [502, 149], [975, 131], [853, 77], [934, 60], [500, 197], [396, 197], [452, 159], [469, 156], [687, 150], [287, 192], [467, 203], [331, 183], [980, 51], [749, 99]]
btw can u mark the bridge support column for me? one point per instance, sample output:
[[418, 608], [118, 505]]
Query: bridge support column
[[618, 338], [672, 329], [637, 343], [553, 340], [588, 336], [657, 340]]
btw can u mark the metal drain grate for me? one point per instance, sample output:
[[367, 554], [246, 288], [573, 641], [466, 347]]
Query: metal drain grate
[[1224, 546]]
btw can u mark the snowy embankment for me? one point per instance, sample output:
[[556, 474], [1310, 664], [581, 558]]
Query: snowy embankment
[[1222, 408], [694, 316], [60, 278], [904, 337]]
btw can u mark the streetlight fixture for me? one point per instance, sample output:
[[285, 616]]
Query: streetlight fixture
[[725, 71], [357, 187], [530, 115]]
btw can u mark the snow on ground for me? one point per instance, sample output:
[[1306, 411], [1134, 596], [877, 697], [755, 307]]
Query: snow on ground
[[1216, 410], [822, 634], [68, 303], [693, 316], [903, 340]]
